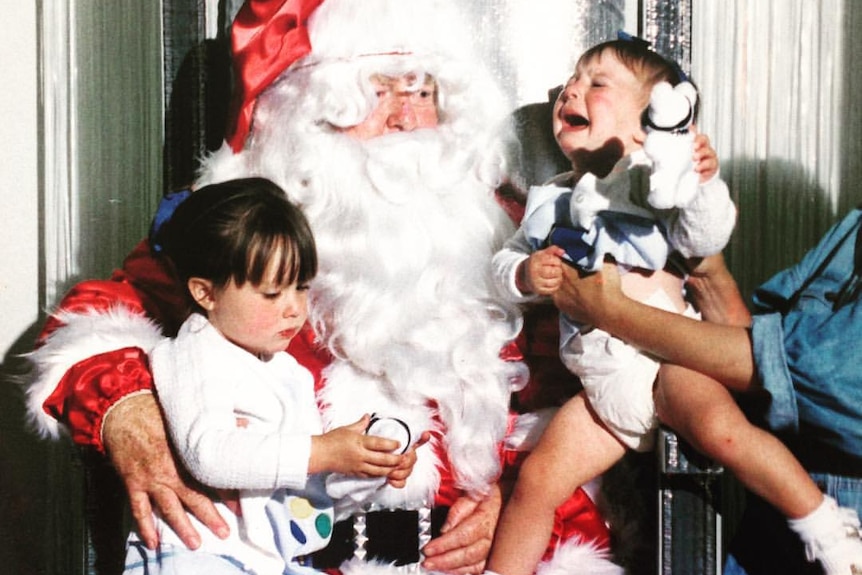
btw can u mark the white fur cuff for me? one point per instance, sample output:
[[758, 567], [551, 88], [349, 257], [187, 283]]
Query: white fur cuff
[[82, 336]]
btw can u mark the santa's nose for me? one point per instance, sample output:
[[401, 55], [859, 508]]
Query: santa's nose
[[402, 115]]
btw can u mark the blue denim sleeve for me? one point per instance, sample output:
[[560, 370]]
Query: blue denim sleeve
[[767, 335], [805, 347]]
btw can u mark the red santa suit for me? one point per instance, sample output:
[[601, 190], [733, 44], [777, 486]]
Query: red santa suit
[[404, 317]]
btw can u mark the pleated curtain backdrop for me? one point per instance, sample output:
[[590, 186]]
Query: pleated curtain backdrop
[[780, 102]]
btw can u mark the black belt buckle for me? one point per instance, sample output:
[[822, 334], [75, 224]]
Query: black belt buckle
[[393, 536]]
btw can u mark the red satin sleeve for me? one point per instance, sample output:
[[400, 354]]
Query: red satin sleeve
[[91, 387], [93, 296], [143, 285]]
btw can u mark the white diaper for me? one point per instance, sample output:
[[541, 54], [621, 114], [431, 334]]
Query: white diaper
[[618, 379]]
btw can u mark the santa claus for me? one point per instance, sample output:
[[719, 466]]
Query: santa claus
[[374, 117]]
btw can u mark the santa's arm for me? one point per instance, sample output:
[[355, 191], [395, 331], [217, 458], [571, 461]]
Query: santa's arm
[[92, 351], [136, 441], [91, 376]]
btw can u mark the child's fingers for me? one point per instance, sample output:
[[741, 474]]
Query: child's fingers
[[549, 272], [705, 158], [707, 168], [704, 152], [556, 251], [424, 438], [360, 425], [380, 464], [549, 253], [379, 444]]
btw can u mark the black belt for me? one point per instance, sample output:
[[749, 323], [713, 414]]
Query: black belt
[[393, 536]]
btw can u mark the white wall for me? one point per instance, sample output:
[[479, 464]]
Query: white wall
[[19, 244]]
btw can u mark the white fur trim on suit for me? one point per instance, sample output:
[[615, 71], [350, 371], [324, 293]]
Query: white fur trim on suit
[[573, 557], [577, 558], [528, 428], [374, 567], [82, 336], [343, 404]]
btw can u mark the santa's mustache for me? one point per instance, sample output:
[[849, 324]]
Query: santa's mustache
[[425, 158]]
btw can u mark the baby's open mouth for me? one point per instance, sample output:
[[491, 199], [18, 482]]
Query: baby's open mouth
[[575, 120]]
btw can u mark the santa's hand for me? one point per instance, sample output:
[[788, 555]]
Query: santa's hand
[[349, 451], [466, 537], [398, 477], [134, 437]]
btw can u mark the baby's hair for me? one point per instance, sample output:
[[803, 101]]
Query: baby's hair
[[231, 231], [648, 65]]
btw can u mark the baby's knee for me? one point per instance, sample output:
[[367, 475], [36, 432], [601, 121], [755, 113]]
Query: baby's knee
[[717, 433]]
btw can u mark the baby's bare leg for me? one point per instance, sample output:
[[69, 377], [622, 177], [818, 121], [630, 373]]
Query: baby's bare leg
[[574, 449], [704, 413]]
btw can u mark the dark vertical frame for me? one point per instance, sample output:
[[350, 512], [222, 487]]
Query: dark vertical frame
[[689, 486], [667, 24], [197, 86]]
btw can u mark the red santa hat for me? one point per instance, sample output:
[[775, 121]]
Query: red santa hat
[[266, 38], [269, 37]]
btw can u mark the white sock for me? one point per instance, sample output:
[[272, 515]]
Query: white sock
[[830, 535], [816, 524]]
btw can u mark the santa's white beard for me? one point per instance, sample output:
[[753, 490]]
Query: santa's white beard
[[406, 227], [405, 300]]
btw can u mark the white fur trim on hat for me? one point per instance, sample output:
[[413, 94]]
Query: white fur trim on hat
[[346, 29], [82, 336]]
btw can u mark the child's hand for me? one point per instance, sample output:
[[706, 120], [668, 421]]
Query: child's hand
[[349, 451], [705, 158], [542, 272], [398, 477]]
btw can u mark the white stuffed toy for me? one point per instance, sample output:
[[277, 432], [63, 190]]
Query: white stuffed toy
[[670, 145]]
